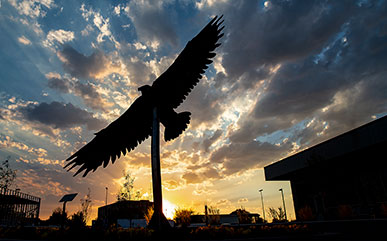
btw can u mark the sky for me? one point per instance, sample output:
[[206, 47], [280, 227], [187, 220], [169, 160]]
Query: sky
[[288, 75]]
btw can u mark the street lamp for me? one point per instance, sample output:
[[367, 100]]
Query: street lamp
[[263, 207], [283, 201]]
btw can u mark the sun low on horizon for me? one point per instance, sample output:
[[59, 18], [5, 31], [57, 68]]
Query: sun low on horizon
[[169, 209], [287, 76]]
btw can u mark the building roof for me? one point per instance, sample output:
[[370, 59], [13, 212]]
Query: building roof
[[371, 134]]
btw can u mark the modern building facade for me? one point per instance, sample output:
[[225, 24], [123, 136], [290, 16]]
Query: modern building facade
[[109, 214], [342, 178]]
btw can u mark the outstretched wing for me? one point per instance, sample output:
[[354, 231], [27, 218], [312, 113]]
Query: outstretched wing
[[174, 85], [122, 135]]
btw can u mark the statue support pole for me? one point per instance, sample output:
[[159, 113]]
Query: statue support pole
[[158, 220]]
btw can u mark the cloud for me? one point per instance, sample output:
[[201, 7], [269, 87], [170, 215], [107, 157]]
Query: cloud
[[239, 157], [58, 36], [60, 115], [59, 84], [209, 141], [191, 178], [307, 61], [101, 23], [97, 65], [32, 9], [24, 40], [7, 142], [171, 184], [243, 200], [153, 23], [88, 92], [90, 96]]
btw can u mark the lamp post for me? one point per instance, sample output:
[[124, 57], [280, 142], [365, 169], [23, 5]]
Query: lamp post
[[283, 201], [263, 207]]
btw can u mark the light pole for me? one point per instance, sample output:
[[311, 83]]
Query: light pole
[[283, 201], [263, 207], [106, 189]]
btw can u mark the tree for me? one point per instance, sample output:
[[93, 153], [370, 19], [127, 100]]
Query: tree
[[126, 190], [56, 217], [77, 220], [243, 215], [86, 205], [183, 216], [7, 175], [278, 215]]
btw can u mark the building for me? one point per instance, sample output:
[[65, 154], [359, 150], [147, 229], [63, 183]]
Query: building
[[342, 178], [17, 208], [123, 210]]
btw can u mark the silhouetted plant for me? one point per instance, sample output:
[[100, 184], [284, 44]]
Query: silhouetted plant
[[243, 215], [56, 217], [86, 205], [7, 175], [126, 189], [278, 215], [77, 220], [182, 217], [213, 215]]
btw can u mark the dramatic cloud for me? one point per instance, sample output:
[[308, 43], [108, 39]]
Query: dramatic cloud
[[60, 115], [153, 23], [90, 96], [88, 92], [311, 61], [96, 65], [59, 84], [237, 157]]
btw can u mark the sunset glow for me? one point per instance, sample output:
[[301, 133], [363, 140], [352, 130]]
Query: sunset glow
[[168, 209], [287, 76]]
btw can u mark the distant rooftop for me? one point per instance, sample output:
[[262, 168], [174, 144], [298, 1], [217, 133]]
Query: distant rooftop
[[373, 133]]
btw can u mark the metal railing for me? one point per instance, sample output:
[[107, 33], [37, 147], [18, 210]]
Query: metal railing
[[17, 208]]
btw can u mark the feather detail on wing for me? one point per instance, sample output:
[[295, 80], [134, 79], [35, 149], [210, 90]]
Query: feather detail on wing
[[174, 85], [121, 136]]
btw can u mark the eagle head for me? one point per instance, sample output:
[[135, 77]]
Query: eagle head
[[145, 89]]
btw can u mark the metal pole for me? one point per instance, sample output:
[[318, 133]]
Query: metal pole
[[263, 207], [106, 188], [63, 214], [158, 219], [283, 201]]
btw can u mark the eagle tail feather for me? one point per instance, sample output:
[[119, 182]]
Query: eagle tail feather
[[176, 126]]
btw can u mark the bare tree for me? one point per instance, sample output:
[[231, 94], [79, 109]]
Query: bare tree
[[126, 190], [278, 215], [86, 205], [7, 175], [213, 215]]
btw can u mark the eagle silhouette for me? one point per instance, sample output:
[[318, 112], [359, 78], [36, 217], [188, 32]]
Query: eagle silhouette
[[167, 92]]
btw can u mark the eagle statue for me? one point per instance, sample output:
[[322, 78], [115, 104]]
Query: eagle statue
[[167, 92]]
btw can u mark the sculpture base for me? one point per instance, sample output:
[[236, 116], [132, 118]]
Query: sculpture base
[[159, 222]]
